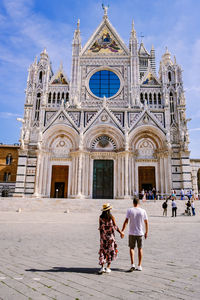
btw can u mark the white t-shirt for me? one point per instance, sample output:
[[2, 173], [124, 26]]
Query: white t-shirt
[[136, 216]]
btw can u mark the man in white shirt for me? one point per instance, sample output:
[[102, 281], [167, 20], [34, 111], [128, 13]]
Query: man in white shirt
[[137, 218]]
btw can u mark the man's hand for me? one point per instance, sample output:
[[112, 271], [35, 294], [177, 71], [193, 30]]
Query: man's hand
[[145, 235]]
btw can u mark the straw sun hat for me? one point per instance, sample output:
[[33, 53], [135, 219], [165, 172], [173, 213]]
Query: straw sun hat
[[106, 206]]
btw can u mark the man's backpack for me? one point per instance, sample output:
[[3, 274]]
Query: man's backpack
[[164, 205]]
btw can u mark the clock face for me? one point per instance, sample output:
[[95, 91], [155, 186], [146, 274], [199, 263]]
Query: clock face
[[104, 83]]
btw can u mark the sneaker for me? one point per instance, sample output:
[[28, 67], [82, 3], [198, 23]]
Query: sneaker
[[132, 268], [139, 268], [107, 270], [102, 270]]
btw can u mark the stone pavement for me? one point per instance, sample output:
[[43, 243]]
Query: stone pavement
[[49, 254]]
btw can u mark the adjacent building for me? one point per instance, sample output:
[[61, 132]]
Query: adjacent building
[[8, 169]]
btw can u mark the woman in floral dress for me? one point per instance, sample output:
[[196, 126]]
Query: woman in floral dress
[[108, 246]]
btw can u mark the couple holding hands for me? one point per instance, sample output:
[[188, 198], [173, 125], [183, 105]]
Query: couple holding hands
[[137, 219]]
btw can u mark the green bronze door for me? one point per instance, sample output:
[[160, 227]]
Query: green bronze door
[[103, 179]]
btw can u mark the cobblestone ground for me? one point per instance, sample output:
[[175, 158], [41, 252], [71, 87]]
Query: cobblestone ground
[[49, 254]]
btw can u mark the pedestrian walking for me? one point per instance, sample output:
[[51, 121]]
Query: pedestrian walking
[[188, 211], [174, 208], [137, 218], [193, 208], [108, 246], [164, 206], [182, 194], [144, 198]]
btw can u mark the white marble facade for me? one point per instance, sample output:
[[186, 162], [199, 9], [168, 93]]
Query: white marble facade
[[144, 124]]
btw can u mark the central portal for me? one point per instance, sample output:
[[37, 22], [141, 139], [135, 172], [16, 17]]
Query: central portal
[[103, 179], [146, 178]]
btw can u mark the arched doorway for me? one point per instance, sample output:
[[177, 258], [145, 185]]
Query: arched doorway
[[151, 164]]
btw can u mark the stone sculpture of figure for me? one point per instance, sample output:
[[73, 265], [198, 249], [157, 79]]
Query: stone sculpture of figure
[[167, 100], [182, 99], [104, 101], [105, 8]]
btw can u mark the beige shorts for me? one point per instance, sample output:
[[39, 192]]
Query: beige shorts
[[135, 238]]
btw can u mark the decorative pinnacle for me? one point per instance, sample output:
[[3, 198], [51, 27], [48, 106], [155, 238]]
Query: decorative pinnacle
[[61, 65], [133, 26], [174, 59], [166, 50], [133, 32], [78, 24], [105, 8]]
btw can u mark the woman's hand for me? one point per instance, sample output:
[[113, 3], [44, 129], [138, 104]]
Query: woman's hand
[[122, 234]]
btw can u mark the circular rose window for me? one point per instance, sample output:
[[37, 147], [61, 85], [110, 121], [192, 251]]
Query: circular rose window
[[104, 83]]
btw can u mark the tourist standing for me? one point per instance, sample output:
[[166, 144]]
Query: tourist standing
[[173, 194], [174, 208], [137, 217], [164, 206], [154, 193], [108, 246]]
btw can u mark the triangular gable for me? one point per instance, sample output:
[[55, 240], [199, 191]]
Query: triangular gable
[[104, 117], [142, 50], [147, 118], [59, 78], [105, 40], [62, 117], [150, 79]]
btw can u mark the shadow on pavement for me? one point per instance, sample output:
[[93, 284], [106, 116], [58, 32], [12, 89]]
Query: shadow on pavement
[[72, 270]]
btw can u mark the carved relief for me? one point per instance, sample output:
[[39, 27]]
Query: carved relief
[[174, 134], [159, 117], [61, 146], [145, 149], [120, 117], [89, 116], [49, 116], [133, 117], [103, 143], [75, 117]]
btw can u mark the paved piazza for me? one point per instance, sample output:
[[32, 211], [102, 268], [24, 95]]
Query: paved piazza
[[49, 250]]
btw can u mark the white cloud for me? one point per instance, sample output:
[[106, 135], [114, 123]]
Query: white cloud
[[8, 115], [195, 129]]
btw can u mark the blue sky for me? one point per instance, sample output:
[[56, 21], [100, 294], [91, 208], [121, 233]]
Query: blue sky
[[27, 26]]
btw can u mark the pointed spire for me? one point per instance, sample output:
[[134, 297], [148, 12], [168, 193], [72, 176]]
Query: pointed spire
[[175, 60], [35, 61], [61, 66], [77, 38], [44, 54], [167, 56], [133, 32]]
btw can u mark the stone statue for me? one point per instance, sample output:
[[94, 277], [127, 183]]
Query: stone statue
[[105, 8]]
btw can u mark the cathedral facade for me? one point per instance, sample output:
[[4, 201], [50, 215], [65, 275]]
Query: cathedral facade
[[115, 128]]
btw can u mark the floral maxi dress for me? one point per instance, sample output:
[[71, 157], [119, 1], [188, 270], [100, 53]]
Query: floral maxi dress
[[108, 247]]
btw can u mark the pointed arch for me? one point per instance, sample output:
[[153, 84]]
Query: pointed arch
[[150, 132], [63, 131]]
